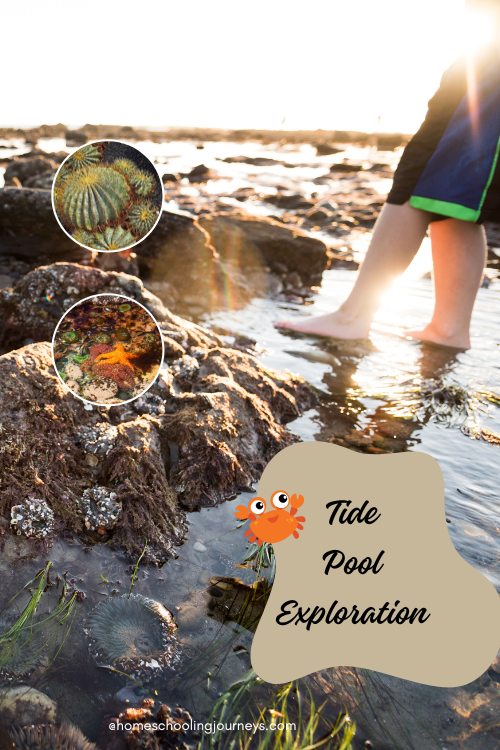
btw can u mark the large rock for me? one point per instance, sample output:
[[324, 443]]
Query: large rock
[[250, 241], [24, 705], [33, 307], [176, 257], [29, 230], [25, 169], [48, 435], [202, 433], [228, 421]]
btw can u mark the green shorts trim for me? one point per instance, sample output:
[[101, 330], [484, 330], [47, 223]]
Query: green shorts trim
[[453, 210]]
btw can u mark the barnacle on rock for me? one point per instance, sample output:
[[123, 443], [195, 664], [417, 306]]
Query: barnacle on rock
[[88, 156], [100, 508], [142, 216], [98, 439], [50, 737], [142, 181], [134, 634], [94, 196], [113, 239], [32, 517]]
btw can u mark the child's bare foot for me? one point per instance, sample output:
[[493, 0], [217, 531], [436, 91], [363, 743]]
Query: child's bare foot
[[433, 335], [336, 325]]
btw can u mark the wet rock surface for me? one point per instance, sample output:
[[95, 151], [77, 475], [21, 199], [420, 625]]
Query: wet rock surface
[[261, 242], [24, 705], [202, 433], [34, 306]]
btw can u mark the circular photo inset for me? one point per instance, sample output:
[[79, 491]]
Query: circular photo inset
[[107, 349], [107, 196]]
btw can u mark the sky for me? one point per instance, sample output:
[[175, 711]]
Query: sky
[[331, 64]]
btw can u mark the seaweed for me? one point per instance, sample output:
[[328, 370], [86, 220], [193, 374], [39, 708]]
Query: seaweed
[[27, 638], [299, 721]]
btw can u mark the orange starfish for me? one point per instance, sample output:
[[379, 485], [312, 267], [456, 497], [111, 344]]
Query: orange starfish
[[118, 356]]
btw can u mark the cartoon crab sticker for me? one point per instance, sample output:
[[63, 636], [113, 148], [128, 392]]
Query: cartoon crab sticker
[[275, 525]]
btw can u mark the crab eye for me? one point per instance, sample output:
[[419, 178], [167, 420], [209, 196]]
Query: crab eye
[[258, 506], [280, 500]]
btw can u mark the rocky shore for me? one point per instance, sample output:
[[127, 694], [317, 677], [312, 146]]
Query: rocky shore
[[322, 139], [202, 433]]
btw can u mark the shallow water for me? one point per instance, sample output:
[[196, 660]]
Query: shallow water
[[471, 468], [353, 379]]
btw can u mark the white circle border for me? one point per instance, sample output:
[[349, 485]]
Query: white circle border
[[122, 143], [129, 299]]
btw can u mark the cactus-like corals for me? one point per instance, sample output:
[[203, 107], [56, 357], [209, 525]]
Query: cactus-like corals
[[116, 238], [99, 196], [142, 217], [83, 237], [88, 156], [142, 181], [94, 196], [125, 166]]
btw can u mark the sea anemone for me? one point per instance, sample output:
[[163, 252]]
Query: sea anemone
[[99, 508], [32, 517], [70, 337], [94, 196], [100, 389], [88, 156], [142, 216], [125, 166], [50, 737], [122, 334], [102, 338], [114, 239], [19, 651], [133, 633], [142, 181]]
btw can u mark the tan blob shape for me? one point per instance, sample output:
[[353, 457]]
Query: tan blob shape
[[460, 639]]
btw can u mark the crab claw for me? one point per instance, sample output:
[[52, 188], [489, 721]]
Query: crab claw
[[297, 501], [241, 512]]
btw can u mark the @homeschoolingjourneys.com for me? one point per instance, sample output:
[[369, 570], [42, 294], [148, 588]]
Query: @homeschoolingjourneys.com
[[207, 727]]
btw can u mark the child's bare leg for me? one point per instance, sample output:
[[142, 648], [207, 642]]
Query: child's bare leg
[[397, 236], [458, 256]]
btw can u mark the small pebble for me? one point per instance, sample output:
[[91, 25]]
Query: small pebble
[[199, 547]]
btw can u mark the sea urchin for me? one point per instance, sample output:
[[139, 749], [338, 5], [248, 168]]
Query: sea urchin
[[50, 737]]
